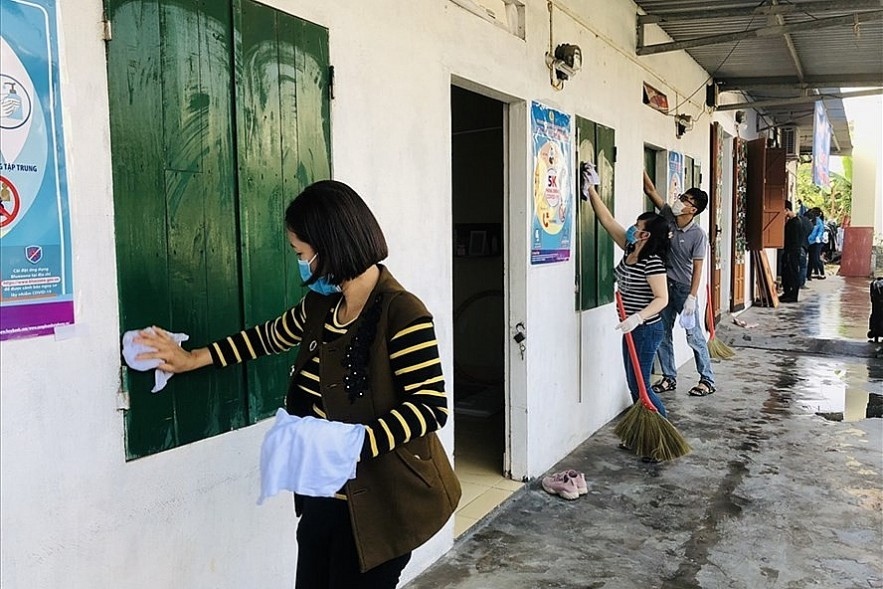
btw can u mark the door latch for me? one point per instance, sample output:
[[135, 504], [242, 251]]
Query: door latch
[[520, 337]]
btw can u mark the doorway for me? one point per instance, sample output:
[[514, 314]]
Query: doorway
[[478, 167]]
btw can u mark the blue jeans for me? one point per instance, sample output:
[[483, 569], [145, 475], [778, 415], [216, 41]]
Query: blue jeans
[[801, 269], [677, 295], [646, 338]]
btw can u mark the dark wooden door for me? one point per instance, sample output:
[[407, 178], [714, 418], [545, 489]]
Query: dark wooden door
[[714, 216], [767, 187]]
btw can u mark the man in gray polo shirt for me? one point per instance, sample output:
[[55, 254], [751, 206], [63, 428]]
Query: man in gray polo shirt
[[689, 244]]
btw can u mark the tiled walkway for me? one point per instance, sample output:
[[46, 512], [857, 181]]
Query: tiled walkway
[[478, 454]]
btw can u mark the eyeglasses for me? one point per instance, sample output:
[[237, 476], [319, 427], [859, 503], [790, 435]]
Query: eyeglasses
[[686, 199]]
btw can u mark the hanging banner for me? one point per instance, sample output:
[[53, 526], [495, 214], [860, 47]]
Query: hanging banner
[[821, 146], [675, 175], [36, 282], [552, 187]]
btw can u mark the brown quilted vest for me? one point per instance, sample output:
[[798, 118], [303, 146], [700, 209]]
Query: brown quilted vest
[[400, 499]]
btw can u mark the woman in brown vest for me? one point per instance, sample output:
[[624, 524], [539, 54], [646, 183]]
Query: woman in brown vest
[[368, 355]]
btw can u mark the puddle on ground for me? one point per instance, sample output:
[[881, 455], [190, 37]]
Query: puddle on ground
[[838, 390]]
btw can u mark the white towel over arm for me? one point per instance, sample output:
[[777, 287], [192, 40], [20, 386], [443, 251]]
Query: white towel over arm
[[309, 456]]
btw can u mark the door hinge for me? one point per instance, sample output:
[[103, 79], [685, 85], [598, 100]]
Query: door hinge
[[331, 82], [106, 30], [123, 390]]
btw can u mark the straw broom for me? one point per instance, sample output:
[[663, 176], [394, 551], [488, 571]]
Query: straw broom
[[716, 348], [643, 429]]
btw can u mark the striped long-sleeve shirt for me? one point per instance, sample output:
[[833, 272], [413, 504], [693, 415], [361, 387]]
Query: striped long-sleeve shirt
[[413, 356]]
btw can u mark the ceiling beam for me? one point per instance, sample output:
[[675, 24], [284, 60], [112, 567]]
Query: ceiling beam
[[768, 31], [775, 102], [809, 81], [818, 6], [789, 43]]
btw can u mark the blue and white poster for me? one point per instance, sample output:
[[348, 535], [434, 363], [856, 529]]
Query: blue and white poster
[[821, 146], [553, 185], [36, 280]]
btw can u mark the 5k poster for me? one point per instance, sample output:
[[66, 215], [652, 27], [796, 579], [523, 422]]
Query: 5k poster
[[36, 278], [552, 220]]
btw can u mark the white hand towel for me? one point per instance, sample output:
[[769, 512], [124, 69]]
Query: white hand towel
[[309, 456], [131, 351]]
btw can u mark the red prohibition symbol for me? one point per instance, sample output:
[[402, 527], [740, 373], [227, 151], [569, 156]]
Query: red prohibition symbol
[[10, 202]]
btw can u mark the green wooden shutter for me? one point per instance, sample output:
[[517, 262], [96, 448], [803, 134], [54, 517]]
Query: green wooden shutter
[[200, 236], [650, 168], [173, 183], [283, 139], [587, 224], [606, 146]]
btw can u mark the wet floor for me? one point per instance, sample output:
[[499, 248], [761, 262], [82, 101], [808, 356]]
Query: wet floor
[[783, 489]]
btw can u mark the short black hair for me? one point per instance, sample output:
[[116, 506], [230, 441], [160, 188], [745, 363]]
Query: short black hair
[[336, 222], [789, 206], [700, 198], [658, 242]]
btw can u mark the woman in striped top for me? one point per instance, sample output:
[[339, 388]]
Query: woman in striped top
[[641, 279], [368, 354]]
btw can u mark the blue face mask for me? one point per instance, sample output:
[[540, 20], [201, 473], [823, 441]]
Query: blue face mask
[[322, 285], [631, 235]]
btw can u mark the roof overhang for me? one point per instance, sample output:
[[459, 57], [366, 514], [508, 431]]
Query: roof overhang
[[781, 55]]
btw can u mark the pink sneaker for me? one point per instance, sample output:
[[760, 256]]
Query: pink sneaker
[[580, 480], [561, 484]]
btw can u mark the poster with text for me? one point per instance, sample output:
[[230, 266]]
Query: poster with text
[[675, 176], [552, 223], [36, 281], [821, 146]]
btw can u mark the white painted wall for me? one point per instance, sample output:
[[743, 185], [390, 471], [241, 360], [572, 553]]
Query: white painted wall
[[76, 515]]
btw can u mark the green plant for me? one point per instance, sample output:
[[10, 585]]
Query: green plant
[[835, 201]]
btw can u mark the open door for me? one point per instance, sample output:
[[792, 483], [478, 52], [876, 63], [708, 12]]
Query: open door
[[480, 252]]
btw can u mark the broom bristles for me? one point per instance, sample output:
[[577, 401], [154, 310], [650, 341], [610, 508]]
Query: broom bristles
[[720, 350], [648, 433]]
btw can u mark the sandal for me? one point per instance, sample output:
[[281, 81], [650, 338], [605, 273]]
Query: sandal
[[703, 389], [665, 385]]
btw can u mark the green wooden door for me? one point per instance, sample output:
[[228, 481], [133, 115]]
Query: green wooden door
[[201, 181]]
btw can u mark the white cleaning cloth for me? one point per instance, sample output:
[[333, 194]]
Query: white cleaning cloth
[[309, 456], [131, 351], [688, 320]]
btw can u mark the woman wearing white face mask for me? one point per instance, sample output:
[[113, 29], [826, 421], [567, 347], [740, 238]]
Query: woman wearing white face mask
[[368, 355], [640, 276]]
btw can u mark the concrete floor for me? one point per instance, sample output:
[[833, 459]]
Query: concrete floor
[[774, 495]]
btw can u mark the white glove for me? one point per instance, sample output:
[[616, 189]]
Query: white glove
[[630, 323], [689, 305], [588, 177]]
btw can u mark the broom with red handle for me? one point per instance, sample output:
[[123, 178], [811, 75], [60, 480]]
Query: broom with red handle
[[716, 348], [643, 429]]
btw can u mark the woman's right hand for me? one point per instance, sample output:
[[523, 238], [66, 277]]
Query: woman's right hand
[[174, 358]]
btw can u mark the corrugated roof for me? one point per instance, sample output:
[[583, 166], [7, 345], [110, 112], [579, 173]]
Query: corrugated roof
[[850, 53]]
